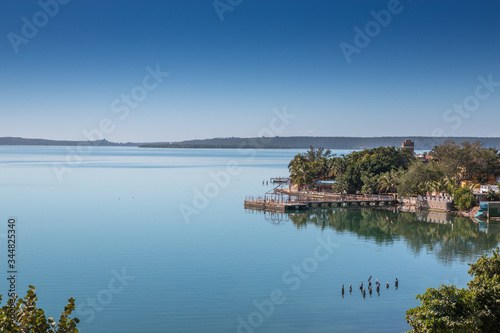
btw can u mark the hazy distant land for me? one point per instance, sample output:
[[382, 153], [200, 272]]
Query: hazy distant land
[[293, 142], [304, 142], [13, 141]]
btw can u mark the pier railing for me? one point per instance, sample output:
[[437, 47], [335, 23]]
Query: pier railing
[[285, 199], [336, 196], [428, 198], [277, 199], [355, 197]]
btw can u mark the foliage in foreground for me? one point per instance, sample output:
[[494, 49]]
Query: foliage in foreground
[[475, 309], [24, 316]]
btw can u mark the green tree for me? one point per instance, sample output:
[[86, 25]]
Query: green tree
[[24, 316], [322, 168], [467, 161], [451, 185], [438, 186], [370, 184], [339, 165], [315, 154], [354, 169], [492, 195], [476, 309], [313, 165], [419, 178], [485, 288], [341, 185], [388, 182], [300, 170], [464, 198], [445, 309]]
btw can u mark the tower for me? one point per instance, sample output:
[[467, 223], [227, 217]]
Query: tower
[[410, 145]]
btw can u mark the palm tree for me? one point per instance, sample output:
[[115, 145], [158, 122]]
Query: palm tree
[[321, 168], [338, 166], [300, 170], [389, 181], [439, 186], [451, 185], [424, 187], [314, 154]]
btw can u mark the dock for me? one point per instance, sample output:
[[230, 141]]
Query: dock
[[262, 203], [277, 202], [280, 180]]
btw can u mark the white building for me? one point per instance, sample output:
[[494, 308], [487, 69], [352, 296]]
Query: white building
[[485, 188]]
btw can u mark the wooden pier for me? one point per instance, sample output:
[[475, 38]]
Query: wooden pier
[[262, 203], [283, 203]]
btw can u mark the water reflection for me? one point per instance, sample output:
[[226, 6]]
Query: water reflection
[[449, 237]]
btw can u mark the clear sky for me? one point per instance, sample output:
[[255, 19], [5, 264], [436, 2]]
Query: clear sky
[[342, 68]]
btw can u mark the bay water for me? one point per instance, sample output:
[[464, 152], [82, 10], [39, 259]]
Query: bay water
[[157, 240]]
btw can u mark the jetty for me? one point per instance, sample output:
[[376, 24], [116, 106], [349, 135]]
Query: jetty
[[285, 201], [280, 180]]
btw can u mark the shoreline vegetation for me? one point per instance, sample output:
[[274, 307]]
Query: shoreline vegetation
[[449, 173]]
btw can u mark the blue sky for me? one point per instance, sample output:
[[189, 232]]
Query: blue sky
[[227, 76]]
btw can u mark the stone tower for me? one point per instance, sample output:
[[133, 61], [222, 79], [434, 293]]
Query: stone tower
[[410, 145]]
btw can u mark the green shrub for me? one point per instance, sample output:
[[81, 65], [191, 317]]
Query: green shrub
[[464, 199], [474, 309], [23, 315], [492, 195]]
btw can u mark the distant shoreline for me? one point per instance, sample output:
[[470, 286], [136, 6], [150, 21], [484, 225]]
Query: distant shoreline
[[14, 141], [304, 142], [292, 142]]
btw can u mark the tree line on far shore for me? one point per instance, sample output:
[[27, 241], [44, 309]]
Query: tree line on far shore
[[303, 142], [385, 170]]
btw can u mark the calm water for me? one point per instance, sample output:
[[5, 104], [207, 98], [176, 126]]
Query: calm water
[[158, 241]]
